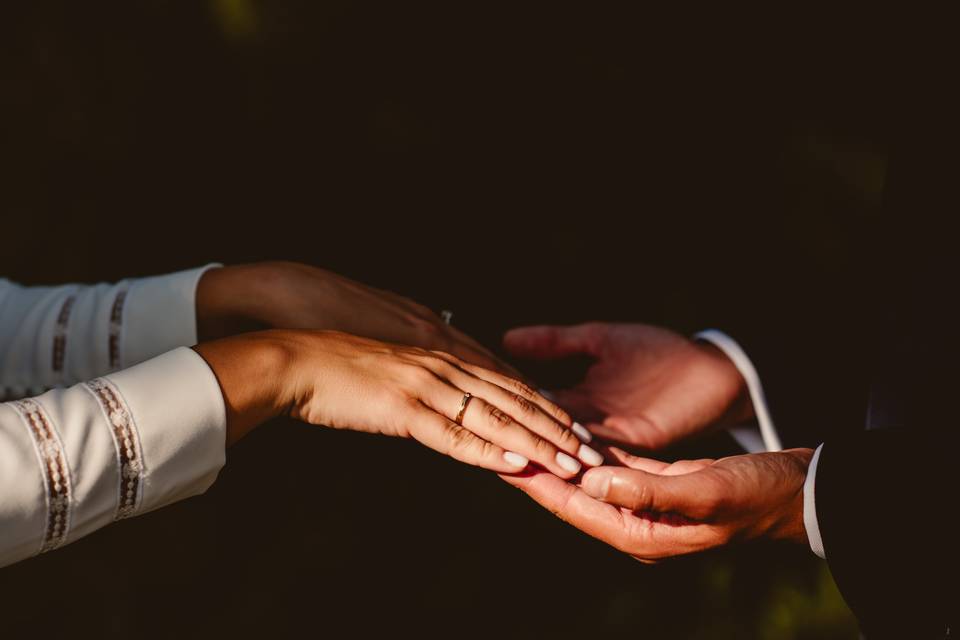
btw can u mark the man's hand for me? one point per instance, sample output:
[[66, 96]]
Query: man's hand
[[654, 510], [649, 386], [287, 295]]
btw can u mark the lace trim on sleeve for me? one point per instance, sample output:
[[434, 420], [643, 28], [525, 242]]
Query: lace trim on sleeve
[[56, 472], [116, 328], [60, 337], [126, 439]]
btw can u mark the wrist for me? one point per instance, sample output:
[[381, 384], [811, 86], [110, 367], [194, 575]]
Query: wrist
[[254, 372], [789, 523], [230, 300]]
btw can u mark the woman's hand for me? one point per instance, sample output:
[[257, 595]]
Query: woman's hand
[[347, 382], [286, 295]]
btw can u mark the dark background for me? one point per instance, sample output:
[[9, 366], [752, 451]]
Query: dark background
[[516, 163]]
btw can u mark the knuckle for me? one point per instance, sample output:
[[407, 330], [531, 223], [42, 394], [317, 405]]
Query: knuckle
[[542, 446], [406, 401], [638, 496], [458, 437], [440, 365], [521, 388], [525, 405], [498, 418], [420, 376], [485, 449], [559, 414], [567, 439]]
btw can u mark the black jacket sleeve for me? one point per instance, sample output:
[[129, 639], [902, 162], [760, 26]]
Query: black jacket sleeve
[[885, 504], [878, 382]]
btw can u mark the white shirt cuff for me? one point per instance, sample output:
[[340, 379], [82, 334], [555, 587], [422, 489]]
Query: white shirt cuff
[[810, 522], [159, 314], [76, 459], [729, 346], [181, 419]]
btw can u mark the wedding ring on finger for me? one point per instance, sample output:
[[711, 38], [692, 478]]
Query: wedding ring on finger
[[446, 315], [463, 408]]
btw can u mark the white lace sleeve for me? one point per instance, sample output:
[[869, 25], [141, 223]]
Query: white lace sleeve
[[56, 336], [73, 460]]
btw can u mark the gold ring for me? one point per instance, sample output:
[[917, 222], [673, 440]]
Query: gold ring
[[463, 408]]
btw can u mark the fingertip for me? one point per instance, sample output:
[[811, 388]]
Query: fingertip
[[568, 463], [515, 460], [578, 429], [596, 483], [590, 456]]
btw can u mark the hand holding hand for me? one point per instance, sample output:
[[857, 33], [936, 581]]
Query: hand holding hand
[[649, 387], [654, 510]]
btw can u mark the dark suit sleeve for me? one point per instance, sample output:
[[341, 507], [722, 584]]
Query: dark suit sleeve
[[885, 497], [886, 502]]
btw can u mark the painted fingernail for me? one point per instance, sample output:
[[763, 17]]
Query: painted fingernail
[[590, 456], [515, 459], [596, 484], [546, 394], [567, 463], [581, 432]]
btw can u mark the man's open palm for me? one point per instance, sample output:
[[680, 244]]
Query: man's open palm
[[648, 387]]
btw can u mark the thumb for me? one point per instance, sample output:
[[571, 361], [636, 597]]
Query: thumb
[[550, 342], [690, 494]]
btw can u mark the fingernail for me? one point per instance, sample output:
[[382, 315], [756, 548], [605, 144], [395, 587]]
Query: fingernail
[[567, 463], [515, 459], [581, 432], [546, 394], [596, 484], [590, 456]]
